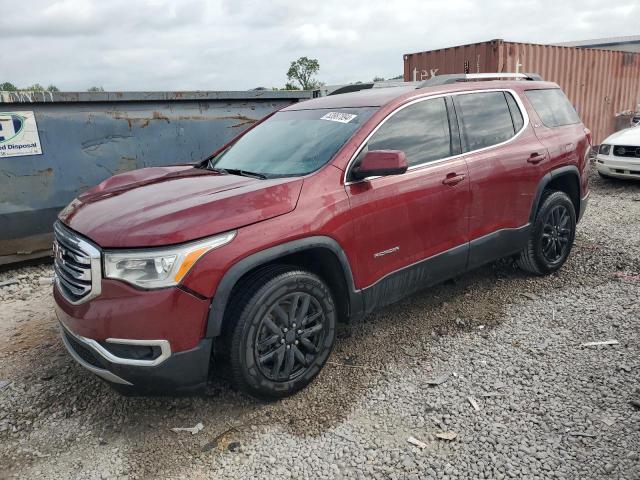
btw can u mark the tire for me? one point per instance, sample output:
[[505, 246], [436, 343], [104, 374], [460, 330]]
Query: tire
[[268, 356], [552, 236], [604, 175]]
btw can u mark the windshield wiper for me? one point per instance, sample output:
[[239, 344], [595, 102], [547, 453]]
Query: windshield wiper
[[244, 173], [234, 171]]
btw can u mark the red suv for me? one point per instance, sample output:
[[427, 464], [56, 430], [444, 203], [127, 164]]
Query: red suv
[[322, 212]]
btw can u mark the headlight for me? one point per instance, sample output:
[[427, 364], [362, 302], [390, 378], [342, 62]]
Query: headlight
[[604, 149], [159, 267]]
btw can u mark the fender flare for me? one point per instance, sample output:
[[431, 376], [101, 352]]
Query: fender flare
[[231, 277], [571, 170]]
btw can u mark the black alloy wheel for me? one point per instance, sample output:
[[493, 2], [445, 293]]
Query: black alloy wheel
[[556, 234], [281, 330], [289, 337], [551, 236]]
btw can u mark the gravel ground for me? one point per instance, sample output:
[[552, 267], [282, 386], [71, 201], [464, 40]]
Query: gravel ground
[[497, 338]]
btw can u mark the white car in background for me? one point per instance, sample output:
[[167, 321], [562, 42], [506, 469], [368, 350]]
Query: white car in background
[[619, 154]]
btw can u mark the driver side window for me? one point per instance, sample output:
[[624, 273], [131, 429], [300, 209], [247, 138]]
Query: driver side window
[[420, 130]]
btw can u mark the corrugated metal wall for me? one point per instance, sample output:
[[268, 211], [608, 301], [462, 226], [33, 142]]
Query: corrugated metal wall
[[600, 83], [473, 58]]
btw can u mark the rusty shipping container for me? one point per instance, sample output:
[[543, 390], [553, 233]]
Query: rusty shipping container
[[85, 137], [599, 83]]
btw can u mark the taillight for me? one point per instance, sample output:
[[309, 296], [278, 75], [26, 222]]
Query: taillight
[[587, 132]]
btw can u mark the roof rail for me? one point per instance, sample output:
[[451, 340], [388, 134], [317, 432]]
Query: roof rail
[[461, 77]]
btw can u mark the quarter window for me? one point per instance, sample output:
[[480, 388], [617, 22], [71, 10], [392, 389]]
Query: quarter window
[[485, 119], [516, 114], [553, 107], [420, 130]]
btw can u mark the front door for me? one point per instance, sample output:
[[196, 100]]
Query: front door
[[411, 229]]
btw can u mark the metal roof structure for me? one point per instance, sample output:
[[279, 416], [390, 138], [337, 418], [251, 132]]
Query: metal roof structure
[[206, 95], [602, 42]]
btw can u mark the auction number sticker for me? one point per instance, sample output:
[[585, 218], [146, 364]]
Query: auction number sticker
[[338, 117], [19, 134]]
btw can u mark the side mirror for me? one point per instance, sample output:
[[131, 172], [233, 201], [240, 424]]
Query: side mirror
[[380, 163]]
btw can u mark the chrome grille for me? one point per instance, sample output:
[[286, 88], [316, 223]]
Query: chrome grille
[[76, 264]]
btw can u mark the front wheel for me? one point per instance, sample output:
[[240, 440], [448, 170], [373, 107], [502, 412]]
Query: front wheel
[[552, 236], [283, 334]]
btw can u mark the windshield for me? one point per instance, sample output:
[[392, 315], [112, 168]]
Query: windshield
[[292, 143]]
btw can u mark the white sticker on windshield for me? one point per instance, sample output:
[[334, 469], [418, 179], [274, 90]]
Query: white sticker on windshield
[[338, 117]]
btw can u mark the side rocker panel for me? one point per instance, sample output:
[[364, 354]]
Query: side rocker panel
[[411, 279], [497, 245]]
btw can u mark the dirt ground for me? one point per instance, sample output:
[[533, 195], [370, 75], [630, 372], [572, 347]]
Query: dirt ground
[[59, 421]]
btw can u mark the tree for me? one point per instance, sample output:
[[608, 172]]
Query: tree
[[378, 79], [36, 87], [95, 89], [302, 71], [291, 86], [8, 87]]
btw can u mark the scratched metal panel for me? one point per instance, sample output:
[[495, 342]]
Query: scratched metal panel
[[85, 142], [599, 83]]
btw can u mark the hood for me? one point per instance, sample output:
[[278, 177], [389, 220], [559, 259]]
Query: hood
[[628, 136], [168, 205]]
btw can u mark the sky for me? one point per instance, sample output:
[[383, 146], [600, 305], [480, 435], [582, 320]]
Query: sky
[[242, 44]]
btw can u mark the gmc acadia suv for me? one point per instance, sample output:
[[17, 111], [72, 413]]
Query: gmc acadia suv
[[322, 212]]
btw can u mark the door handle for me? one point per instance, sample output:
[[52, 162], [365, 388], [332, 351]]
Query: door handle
[[453, 179], [536, 157]]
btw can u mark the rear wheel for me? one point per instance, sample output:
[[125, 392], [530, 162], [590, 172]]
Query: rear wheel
[[552, 236], [283, 332]]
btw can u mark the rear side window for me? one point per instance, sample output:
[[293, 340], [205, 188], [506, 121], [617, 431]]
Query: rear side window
[[485, 119], [420, 130], [516, 114], [553, 107]]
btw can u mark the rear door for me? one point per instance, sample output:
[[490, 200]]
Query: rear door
[[505, 161], [411, 229]]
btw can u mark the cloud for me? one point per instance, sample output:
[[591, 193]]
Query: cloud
[[312, 35], [241, 44]]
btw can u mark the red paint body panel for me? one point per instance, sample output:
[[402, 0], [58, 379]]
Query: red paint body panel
[[163, 206], [376, 160], [504, 184], [122, 311], [414, 212], [323, 209]]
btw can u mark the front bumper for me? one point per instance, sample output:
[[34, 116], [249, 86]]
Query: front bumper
[[619, 167], [180, 372], [139, 341]]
